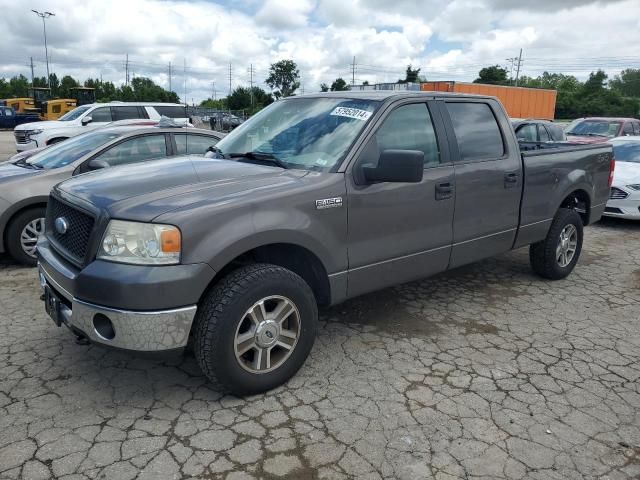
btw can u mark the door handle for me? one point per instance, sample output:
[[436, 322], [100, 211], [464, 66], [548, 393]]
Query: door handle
[[510, 179], [444, 190]]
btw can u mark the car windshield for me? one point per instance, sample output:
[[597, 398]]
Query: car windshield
[[73, 114], [305, 133], [626, 151], [72, 149], [603, 128]]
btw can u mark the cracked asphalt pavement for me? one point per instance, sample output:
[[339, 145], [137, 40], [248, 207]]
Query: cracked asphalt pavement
[[483, 372]]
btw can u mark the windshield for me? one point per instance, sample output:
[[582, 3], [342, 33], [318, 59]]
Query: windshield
[[603, 128], [73, 114], [70, 150], [306, 133], [626, 151]]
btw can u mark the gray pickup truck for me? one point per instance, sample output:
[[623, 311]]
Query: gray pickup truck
[[316, 199]]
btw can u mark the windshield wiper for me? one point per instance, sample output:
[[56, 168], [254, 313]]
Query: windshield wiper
[[261, 157]]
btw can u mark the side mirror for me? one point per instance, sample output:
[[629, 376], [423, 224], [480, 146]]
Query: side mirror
[[86, 120], [401, 166], [97, 164]]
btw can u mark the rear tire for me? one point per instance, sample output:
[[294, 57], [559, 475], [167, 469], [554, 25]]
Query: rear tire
[[53, 141], [253, 314], [22, 235], [556, 256]]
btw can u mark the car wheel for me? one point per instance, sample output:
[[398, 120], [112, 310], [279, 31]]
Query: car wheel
[[556, 256], [23, 233], [255, 328], [53, 141]]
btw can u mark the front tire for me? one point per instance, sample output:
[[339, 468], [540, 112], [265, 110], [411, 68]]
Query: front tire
[[255, 328], [23, 233], [556, 256]]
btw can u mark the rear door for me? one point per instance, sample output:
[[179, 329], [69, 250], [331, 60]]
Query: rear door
[[488, 180], [401, 231], [4, 119]]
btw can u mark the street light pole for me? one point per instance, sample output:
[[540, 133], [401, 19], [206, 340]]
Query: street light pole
[[43, 16]]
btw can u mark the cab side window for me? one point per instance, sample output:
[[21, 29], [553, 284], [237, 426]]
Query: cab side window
[[140, 149], [477, 131], [102, 114], [194, 144], [542, 134], [527, 133], [627, 129], [410, 127]]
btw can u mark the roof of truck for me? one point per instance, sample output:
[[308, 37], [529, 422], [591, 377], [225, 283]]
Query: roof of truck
[[385, 94]]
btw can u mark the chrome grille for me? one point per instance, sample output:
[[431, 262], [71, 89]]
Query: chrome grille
[[21, 136], [617, 194], [75, 240]]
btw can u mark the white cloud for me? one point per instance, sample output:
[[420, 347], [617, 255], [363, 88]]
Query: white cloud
[[446, 39]]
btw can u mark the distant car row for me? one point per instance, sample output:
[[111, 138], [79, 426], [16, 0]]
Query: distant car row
[[25, 183]]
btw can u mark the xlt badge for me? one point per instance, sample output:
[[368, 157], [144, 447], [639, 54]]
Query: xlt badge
[[335, 202]]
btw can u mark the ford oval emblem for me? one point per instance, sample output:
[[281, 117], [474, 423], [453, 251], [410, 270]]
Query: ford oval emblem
[[62, 225]]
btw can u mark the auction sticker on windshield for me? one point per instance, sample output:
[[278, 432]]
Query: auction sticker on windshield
[[356, 113]]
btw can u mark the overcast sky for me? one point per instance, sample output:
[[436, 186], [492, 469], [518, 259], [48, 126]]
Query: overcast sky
[[446, 39]]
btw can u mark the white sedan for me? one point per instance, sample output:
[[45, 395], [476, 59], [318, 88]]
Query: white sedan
[[624, 199]]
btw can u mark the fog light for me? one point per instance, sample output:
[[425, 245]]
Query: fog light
[[103, 327]]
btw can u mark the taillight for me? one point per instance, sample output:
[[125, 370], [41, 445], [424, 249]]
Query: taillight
[[612, 167]]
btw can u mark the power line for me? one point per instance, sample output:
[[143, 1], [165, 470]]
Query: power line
[[518, 67]]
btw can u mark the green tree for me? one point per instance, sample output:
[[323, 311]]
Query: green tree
[[19, 86], [595, 84], [283, 78], [339, 85], [66, 84], [324, 87], [627, 83], [494, 75], [55, 84], [412, 75]]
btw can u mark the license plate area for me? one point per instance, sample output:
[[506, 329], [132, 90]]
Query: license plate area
[[52, 305]]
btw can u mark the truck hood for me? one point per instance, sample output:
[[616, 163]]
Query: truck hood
[[45, 125], [9, 171], [146, 190]]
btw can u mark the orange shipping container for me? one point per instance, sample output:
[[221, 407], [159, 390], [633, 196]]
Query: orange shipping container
[[519, 102]]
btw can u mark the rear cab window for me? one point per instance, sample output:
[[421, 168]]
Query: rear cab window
[[187, 144], [128, 113], [477, 131]]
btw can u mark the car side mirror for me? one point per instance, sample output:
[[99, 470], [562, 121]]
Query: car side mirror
[[401, 166], [97, 164], [86, 120]]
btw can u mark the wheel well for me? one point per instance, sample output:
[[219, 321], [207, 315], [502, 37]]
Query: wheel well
[[292, 257], [579, 201], [56, 140], [15, 214]]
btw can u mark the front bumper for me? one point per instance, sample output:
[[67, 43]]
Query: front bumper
[[149, 309], [143, 331], [30, 144], [625, 208]]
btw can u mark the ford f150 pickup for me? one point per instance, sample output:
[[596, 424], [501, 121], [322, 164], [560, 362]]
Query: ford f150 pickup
[[314, 200]]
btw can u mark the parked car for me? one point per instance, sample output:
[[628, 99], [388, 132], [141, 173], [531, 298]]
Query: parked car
[[601, 129], [316, 199], [624, 199], [9, 118], [89, 117], [531, 130], [25, 183]]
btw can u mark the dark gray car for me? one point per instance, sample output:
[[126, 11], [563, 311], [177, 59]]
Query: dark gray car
[[25, 183], [314, 200]]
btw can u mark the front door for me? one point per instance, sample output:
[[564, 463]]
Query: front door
[[488, 181], [401, 231]]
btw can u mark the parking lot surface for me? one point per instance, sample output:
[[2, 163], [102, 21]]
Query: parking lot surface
[[483, 372], [7, 144]]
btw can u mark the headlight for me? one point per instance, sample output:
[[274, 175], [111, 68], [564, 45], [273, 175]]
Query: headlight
[[141, 243], [34, 132], [634, 187]]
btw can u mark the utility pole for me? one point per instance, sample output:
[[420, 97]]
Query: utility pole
[[126, 70], [518, 67], [31, 58], [353, 71], [169, 76], [213, 90], [230, 75], [43, 16], [251, 84], [186, 102], [511, 61]]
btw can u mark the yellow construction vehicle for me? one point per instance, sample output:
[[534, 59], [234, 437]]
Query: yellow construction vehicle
[[20, 105], [54, 108]]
